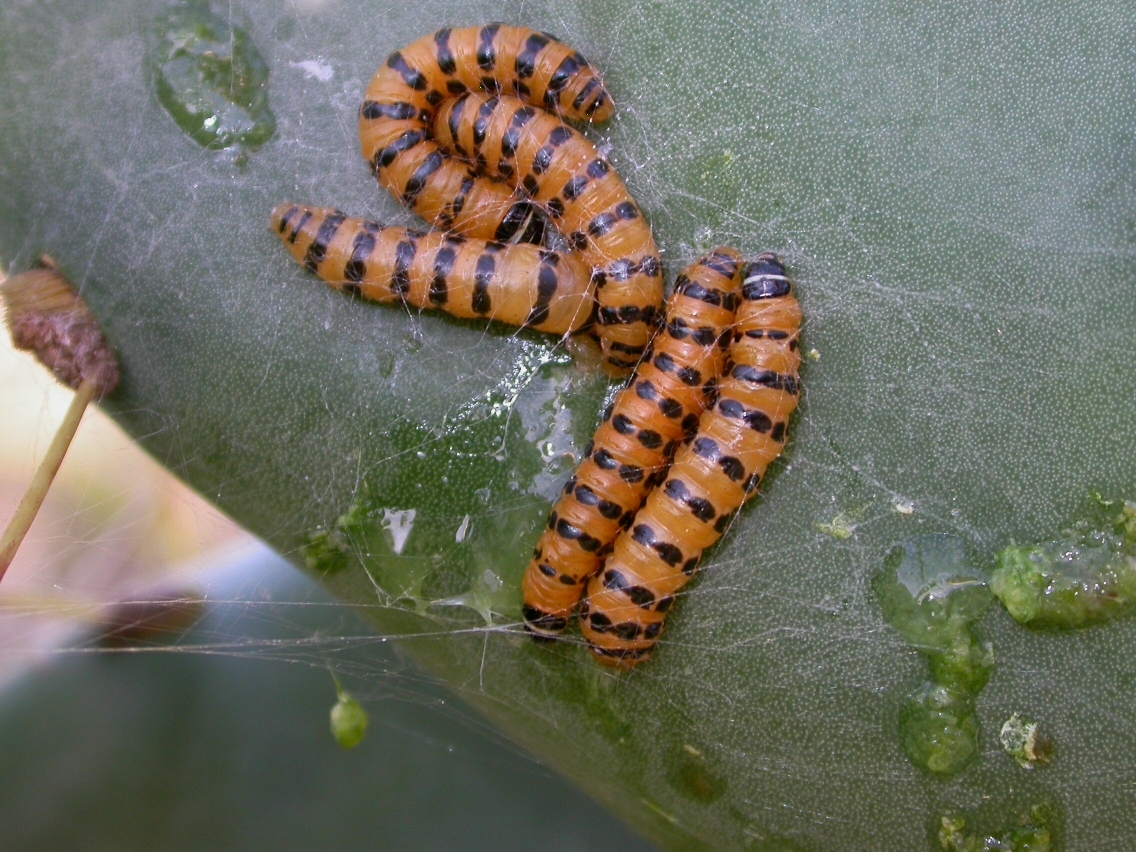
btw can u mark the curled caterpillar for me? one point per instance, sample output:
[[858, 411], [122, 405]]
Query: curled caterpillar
[[398, 109], [632, 447], [521, 285], [559, 170], [712, 476]]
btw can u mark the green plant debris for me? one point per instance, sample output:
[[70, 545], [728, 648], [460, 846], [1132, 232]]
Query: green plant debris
[[1085, 575], [1020, 739], [840, 527], [1032, 836], [933, 597], [939, 729], [348, 721], [212, 80]]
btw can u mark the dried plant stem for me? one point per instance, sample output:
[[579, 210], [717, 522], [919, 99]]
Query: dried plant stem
[[37, 489]]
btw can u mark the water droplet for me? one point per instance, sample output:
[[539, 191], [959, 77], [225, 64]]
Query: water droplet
[[212, 80]]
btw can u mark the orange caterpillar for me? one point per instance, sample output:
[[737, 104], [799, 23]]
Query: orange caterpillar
[[632, 447], [712, 475], [398, 109], [563, 173], [521, 285]]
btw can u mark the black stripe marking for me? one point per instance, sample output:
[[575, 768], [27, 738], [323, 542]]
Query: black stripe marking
[[356, 268], [732, 467], [630, 473], [757, 420], [765, 279], [303, 220], [706, 448], [526, 59], [547, 284], [486, 52], [443, 266], [574, 533], [766, 378], [724, 265], [564, 72], [650, 439], [668, 552], [317, 251], [513, 135], [481, 123], [446, 62], [599, 168], [574, 187], [616, 346], [589, 87], [606, 508], [417, 181], [601, 225], [626, 314], [459, 201], [694, 290], [482, 277], [453, 121], [398, 111], [537, 620], [405, 142], [410, 76], [403, 256], [288, 214], [604, 461], [559, 136]]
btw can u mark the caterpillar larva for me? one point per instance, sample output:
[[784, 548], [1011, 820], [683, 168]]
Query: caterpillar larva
[[563, 173], [403, 95], [521, 285], [623, 611], [632, 447]]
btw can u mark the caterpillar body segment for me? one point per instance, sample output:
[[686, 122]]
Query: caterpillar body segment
[[441, 189], [631, 449], [403, 96], [713, 474], [563, 174], [521, 285]]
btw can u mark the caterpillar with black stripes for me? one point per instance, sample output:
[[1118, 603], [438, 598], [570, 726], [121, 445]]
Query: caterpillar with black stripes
[[625, 605], [397, 115], [561, 172], [524, 72], [522, 285], [633, 446]]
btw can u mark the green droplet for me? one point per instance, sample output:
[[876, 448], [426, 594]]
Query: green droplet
[[348, 721], [932, 596], [1032, 836], [211, 79], [1082, 577], [939, 729]]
